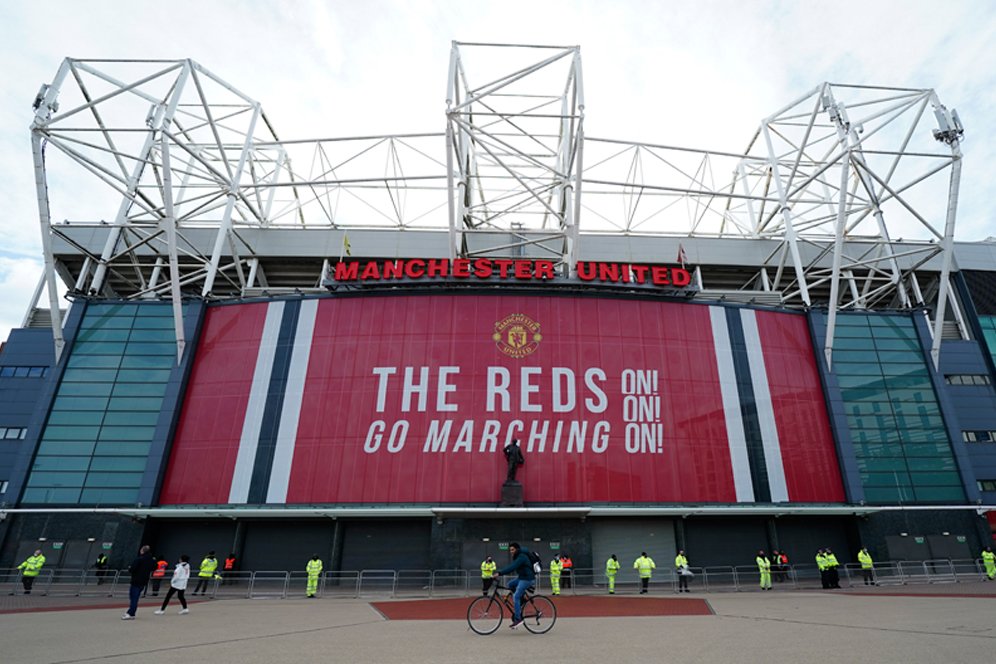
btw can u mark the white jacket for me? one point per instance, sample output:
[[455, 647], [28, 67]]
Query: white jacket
[[180, 576]]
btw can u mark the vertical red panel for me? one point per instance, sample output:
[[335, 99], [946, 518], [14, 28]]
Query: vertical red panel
[[812, 473], [206, 442]]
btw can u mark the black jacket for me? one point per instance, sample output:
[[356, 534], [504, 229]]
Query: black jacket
[[141, 569]]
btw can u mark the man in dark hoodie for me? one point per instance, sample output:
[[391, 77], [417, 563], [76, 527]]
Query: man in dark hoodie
[[140, 569], [524, 568]]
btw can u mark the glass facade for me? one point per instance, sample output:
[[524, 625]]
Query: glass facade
[[988, 324], [900, 440], [94, 448]]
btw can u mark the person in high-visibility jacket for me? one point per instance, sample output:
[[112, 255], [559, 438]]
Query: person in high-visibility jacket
[[556, 567], [867, 566], [488, 568], [989, 560], [764, 567], [821, 564], [645, 565], [314, 569], [680, 567], [30, 569], [158, 574], [833, 576], [207, 571], [611, 569]]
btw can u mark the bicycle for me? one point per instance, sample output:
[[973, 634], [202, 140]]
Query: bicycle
[[484, 615]]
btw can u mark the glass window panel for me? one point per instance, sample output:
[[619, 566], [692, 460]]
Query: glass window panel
[[155, 310], [884, 495], [884, 479], [103, 335], [866, 394], [871, 422], [854, 356], [937, 436], [135, 403], [76, 417], [13, 433], [149, 323], [94, 362], [906, 369], [80, 403], [60, 447], [99, 348], [37, 372], [149, 361], [21, 372], [51, 496], [930, 450], [151, 348], [875, 435], [904, 407], [109, 496], [127, 433], [7, 372], [154, 335], [108, 448], [132, 464], [77, 433], [142, 418], [868, 408], [929, 464], [901, 357], [56, 479], [859, 382], [897, 344], [44, 463], [851, 343], [940, 494], [852, 320], [89, 375], [881, 464], [877, 450], [919, 421], [140, 390], [107, 323], [85, 389], [143, 375], [936, 479], [907, 383], [113, 480]]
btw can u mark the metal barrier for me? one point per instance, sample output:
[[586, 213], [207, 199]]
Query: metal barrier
[[968, 570], [719, 578], [231, 585], [450, 582], [13, 581], [269, 584], [378, 581], [65, 582], [413, 583], [939, 571], [340, 584], [98, 583]]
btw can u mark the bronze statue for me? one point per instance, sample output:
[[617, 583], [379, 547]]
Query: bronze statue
[[513, 454]]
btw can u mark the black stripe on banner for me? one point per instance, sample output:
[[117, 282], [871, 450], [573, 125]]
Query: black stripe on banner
[[748, 408], [270, 425]]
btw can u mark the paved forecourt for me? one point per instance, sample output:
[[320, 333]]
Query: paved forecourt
[[744, 627]]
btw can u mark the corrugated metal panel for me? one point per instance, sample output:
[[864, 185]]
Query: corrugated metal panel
[[627, 538]]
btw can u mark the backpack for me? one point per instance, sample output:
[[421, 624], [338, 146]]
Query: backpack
[[535, 559]]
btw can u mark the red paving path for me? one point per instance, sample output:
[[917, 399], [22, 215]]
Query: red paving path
[[581, 606]]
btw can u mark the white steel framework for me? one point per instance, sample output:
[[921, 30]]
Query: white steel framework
[[191, 191]]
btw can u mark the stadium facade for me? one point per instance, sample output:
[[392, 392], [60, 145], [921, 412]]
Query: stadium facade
[[283, 347]]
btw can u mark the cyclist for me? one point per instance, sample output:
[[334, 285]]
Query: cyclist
[[524, 568]]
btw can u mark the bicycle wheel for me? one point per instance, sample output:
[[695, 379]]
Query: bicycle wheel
[[539, 614], [484, 615]]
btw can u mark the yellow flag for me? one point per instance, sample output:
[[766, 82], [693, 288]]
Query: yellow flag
[[345, 244]]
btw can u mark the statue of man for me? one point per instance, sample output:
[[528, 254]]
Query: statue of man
[[513, 454]]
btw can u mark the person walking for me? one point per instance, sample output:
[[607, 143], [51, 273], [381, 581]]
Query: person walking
[[488, 568], [567, 570], [205, 573], [764, 567], [523, 566], [867, 566], [177, 586], [314, 569], [30, 569], [555, 569], [101, 565], [681, 569], [140, 569], [833, 576], [611, 569], [158, 574], [821, 564], [645, 565], [989, 560]]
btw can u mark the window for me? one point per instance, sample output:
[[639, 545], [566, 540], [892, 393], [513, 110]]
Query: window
[[12, 433], [979, 436], [3, 486], [987, 485], [23, 372], [967, 379]]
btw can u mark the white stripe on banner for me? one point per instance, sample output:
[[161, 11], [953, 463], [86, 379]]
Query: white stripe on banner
[[249, 440], [290, 414], [765, 409], [731, 406]]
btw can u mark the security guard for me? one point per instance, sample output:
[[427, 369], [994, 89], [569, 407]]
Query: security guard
[[867, 566], [556, 567], [158, 574], [821, 563], [680, 566], [206, 572], [764, 567], [488, 568], [989, 560], [645, 565], [30, 569], [833, 576], [101, 565], [611, 569], [314, 569]]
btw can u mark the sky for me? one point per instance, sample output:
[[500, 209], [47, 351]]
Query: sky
[[693, 73]]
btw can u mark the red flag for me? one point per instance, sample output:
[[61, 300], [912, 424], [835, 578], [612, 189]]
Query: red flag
[[682, 258]]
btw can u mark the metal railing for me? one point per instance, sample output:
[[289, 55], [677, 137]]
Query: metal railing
[[282, 584]]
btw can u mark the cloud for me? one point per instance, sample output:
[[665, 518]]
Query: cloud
[[18, 279]]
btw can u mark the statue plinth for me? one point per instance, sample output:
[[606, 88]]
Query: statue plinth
[[511, 494]]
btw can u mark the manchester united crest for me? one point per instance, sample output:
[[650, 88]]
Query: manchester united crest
[[517, 335]]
